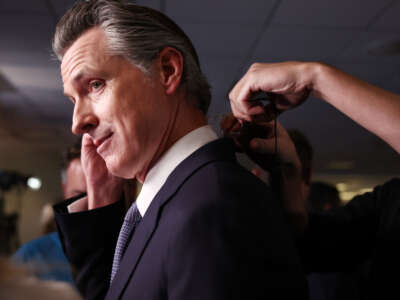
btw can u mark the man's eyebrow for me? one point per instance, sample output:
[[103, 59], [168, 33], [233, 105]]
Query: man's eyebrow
[[74, 80], [77, 77]]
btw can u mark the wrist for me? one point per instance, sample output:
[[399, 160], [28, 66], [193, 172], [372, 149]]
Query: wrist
[[317, 73], [102, 196]]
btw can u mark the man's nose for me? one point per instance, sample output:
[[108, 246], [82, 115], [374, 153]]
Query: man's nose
[[83, 119]]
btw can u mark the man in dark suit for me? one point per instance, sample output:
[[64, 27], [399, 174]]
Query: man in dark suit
[[202, 227]]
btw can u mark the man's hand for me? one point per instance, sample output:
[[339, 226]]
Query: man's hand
[[290, 82], [257, 140], [102, 187]]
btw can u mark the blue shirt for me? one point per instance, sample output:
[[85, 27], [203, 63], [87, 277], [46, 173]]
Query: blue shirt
[[45, 258]]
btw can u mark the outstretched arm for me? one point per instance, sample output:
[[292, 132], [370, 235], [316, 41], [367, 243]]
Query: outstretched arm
[[373, 108]]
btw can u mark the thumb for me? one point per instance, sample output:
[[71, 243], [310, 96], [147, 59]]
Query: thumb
[[262, 146]]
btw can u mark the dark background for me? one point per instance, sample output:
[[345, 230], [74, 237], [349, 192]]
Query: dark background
[[35, 117]]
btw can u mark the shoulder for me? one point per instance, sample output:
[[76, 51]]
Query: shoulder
[[391, 186], [386, 197], [224, 196], [36, 247], [222, 183], [365, 209], [381, 196], [45, 241]]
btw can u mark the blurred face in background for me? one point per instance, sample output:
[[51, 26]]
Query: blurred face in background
[[75, 181]]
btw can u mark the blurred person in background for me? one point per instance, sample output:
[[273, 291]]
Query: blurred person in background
[[44, 256], [368, 227], [323, 196], [320, 197], [39, 270], [47, 221]]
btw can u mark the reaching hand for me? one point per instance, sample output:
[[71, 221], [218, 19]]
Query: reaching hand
[[257, 140], [289, 82]]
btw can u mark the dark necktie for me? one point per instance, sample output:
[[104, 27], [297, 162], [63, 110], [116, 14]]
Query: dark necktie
[[131, 220]]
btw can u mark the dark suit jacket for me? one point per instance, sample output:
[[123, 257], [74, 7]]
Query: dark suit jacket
[[213, 231], [367, 229]]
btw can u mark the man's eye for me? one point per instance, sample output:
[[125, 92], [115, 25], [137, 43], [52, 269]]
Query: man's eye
[[95, 85]]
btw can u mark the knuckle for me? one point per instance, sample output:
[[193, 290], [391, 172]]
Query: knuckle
[[231, 95], [254, 67]]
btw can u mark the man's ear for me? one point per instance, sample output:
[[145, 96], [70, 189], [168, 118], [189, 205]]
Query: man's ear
[[171, 68]]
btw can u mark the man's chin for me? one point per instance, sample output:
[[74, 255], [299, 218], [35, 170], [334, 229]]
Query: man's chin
[[117, 170], [112, 166]]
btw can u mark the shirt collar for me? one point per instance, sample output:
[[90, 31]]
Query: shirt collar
[[178, 152]]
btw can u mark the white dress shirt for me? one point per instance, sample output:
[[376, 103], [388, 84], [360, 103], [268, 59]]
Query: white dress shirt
[[179, 151]]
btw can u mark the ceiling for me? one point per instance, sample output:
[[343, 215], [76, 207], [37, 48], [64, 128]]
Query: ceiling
[[229, 35]]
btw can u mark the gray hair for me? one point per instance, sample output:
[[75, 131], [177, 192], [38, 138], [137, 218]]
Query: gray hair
[[137, 33]]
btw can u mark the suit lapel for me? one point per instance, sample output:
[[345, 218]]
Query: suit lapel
[[221, 149]]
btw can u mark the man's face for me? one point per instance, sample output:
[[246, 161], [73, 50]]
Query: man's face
[[124, 111], [75, 181]]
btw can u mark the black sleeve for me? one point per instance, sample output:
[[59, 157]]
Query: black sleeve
[[341, 238], [89, 240]]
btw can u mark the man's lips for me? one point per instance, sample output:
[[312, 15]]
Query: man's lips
[[100, 141]]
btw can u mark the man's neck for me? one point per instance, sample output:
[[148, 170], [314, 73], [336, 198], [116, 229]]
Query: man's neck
[[187, 118], [170, 160]]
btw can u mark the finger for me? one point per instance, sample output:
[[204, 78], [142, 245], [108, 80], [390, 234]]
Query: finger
[[263, 113], [239, 113], [87, 140], [228, 123], [256, 109], [235, 91], [254, 112], [240, 96], [243, 99], [262, 146]]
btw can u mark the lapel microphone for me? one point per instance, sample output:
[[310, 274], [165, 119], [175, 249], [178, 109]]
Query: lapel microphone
[[266, 100]]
